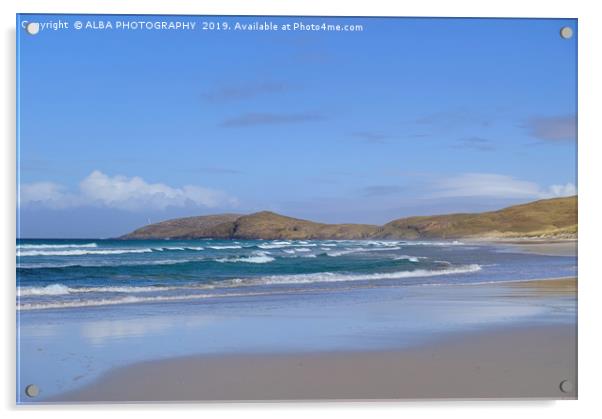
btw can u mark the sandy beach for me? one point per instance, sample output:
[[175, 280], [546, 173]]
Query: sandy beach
[[523, 361], [547, 247]]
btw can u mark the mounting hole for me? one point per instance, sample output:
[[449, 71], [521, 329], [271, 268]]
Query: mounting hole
[[566, 386], [566, 32], [32, 390], [32, 28]]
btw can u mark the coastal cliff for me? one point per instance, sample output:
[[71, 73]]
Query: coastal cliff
[[549, 218]]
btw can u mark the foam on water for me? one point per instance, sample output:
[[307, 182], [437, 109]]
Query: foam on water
[[106, 301], [427, 243], [48, 250], [107, 271], [135, 299], [56, 246], [81, 252], [54, 289], [104, 264], [414, 259], [60, 289], [259, 257], [275, 245], [342, 277], [361, 250]]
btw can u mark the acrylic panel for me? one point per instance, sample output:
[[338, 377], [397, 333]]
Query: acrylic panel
[[295, 208]]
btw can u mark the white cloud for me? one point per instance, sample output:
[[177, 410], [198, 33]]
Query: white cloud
[[122, 192], [497, 186], [48, 194], [562, 190]]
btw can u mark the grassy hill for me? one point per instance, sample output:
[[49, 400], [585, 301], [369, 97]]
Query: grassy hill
[[546, 218], [260, 225], [216, 226], [269, 225]]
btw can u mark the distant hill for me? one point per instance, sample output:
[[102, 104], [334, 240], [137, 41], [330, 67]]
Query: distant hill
[[545, 218], [269, 225], [260, 225], [190, 227]]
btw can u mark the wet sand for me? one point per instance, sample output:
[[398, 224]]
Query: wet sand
[[557, 286], [522, 361], [543, 247]]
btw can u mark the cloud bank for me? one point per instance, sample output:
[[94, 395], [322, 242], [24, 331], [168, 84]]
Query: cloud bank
[[497, 186], [121, 192]]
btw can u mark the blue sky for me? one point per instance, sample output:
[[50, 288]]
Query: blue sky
[[407, 117]]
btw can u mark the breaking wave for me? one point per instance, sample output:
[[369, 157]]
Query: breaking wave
[[80, 252], [342, 277], [62, 290], [257, 258], [348, 251], [56, 246]]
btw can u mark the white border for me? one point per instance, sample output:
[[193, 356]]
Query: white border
[[590, 211]]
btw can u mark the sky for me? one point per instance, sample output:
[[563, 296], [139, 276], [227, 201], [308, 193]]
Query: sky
[[119, 128]]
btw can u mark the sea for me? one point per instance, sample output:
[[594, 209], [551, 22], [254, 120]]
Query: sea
[[66, 274], [88, 305]]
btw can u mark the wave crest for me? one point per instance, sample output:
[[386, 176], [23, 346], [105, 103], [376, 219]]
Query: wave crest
[[56, 246], [342, 277], [81, 252], [260, 257]]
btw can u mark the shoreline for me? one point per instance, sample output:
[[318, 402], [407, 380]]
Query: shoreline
[[514, 361], [535, 246]]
